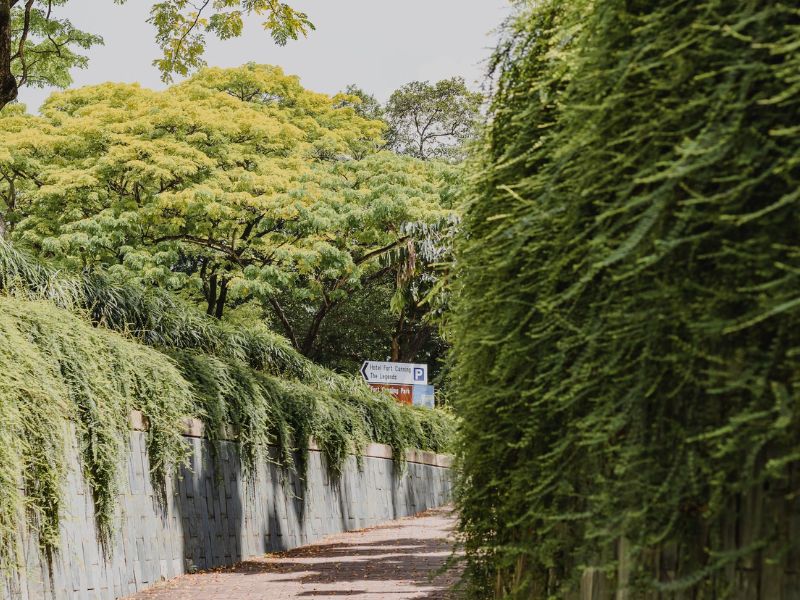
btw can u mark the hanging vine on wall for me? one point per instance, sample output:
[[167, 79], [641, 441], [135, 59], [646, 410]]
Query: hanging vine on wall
[[55, 365]]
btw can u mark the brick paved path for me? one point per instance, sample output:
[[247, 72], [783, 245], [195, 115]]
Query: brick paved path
[[398, 560]]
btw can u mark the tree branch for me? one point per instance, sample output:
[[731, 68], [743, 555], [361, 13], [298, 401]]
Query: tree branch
[[20, 54], [249, 227], [370, 255], [26, 26], [287, 326], [191, 28], [229, 252], [316, 324]]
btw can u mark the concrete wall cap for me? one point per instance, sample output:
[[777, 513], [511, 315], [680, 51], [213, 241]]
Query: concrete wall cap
[[194, 428]]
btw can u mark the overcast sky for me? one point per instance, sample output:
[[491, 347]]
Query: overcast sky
[[377, 44]]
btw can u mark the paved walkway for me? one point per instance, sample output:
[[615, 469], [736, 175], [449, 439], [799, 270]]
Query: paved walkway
[[398, 560]]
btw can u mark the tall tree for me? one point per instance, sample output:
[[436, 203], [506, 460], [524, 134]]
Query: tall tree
[[39, 48], [421, 285], [420, 268], [432, 120], [383, 204], [238, 185], [188, 185]]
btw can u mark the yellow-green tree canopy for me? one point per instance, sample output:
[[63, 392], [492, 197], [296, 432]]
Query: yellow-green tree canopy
[[235, 184]]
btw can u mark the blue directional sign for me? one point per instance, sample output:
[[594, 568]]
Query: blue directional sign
[[423, 395]]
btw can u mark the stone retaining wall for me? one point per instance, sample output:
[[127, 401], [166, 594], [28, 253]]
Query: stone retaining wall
[[214, 517]]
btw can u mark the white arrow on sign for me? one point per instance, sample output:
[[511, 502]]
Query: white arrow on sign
[[392, 372]]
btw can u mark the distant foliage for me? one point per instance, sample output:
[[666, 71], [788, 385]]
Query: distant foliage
[[627, 338], [432, 120]]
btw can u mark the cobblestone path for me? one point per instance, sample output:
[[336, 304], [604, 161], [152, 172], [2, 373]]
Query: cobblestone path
[[395, 561]]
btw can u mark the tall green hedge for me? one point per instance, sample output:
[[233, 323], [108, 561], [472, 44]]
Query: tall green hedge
[[627, 334]]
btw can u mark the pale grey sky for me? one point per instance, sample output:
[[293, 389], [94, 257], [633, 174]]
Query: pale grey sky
[[377, 44]]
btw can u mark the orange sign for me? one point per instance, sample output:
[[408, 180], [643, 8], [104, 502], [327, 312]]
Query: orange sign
[[404, 394]]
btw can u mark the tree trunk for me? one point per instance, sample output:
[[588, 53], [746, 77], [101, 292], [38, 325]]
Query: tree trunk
[[409, 352], [313, 330], [222, 298], [287, 326], [397, 336], [211, 295], [8, 83], [11, 205], [216, 296]]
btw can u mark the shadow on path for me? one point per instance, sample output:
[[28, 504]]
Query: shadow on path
[[409, 560], [399, 560]]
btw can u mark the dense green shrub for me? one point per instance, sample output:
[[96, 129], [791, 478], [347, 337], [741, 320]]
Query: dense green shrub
[[627, 337], [150, 315]]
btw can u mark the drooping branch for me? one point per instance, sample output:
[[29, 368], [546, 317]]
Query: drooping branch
[[380, 251]]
